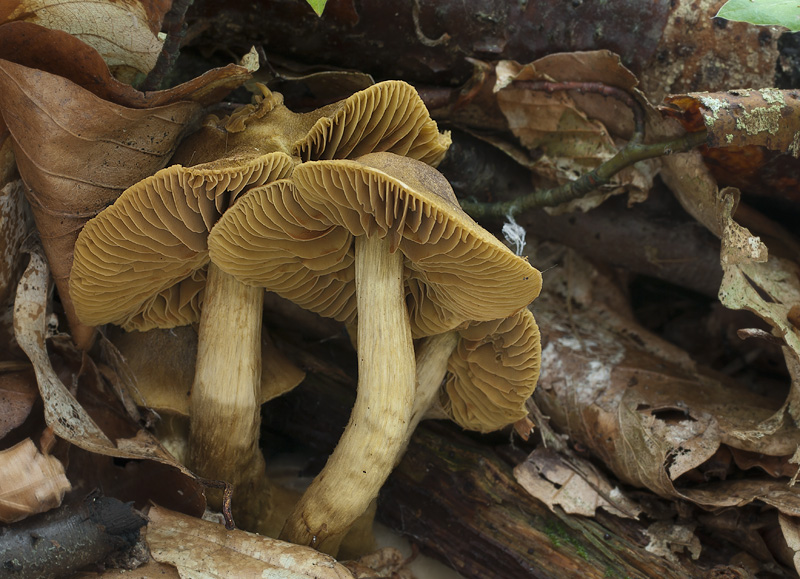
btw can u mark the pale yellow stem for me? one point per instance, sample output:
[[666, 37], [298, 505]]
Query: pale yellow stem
[[432, 356], [375, 435], [224, 408]]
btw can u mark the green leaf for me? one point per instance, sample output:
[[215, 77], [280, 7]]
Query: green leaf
[[317, 5], [765, 12]]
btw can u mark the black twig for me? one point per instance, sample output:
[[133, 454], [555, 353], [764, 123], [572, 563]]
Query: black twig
[[175, 29], [227, 495]]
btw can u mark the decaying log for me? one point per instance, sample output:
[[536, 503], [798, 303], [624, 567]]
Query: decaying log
[[456, 497], [673, 45]]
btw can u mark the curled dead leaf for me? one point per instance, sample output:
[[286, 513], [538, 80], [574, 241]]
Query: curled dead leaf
[[63, 413], [64, 55], [32, 482], [125, 33], [570, 132], [648, 414], [76, 153]]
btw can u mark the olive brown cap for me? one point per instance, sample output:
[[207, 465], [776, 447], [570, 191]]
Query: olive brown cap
[[295, 237]]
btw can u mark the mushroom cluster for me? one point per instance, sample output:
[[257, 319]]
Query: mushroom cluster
[[143, 262], [341, 211], [379, 242]]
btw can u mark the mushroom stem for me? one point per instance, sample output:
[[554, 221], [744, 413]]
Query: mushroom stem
[[224, 409], [432, 356], [376, 433]]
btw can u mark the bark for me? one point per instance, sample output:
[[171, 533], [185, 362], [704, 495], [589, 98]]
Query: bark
[[63, 541], [673, 44]]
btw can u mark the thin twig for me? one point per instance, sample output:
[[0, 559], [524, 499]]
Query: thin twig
[[628, 155], [173, 24], [227, 495], [594, 88]]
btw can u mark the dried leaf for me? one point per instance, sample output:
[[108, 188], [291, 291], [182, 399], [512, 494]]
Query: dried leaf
[[694, 187], [768, 117], [667, 540], [125, 33], [738, 493], [64, 55], [32, 482], [76, 153], [575, 133], [202, 549], [790, 527], [17, 394], [573, 484], [63, 413], [159, 367], [646, 412], [15, 223], [739, 246]]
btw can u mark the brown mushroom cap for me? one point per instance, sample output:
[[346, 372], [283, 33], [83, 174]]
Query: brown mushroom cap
[[492, 372], [388, 116], [295, 237], [140, 263]]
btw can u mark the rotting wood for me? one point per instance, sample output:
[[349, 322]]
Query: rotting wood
[[456, 497]]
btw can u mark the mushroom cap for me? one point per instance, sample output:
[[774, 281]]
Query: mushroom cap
[[295, 237], [492, 372], [140, 262], [388, 116]]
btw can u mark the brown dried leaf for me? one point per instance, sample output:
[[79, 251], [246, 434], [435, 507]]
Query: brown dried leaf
[[76, 153], [574, 132], [64, 55], [667, 540], [63, 413], [768, 117], [202, 549], [790, 527], [125, 33], [646, 412], [159, 366], [15, 223], [18, 392], [32, 482], [738, 493], [573, 484]]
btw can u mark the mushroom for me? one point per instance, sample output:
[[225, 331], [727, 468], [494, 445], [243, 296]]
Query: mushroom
[[159, 364], [491, 370], [143, 263], [382, 236]]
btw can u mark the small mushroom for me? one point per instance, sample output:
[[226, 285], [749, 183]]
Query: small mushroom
[[489, 370], [383, 237]]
